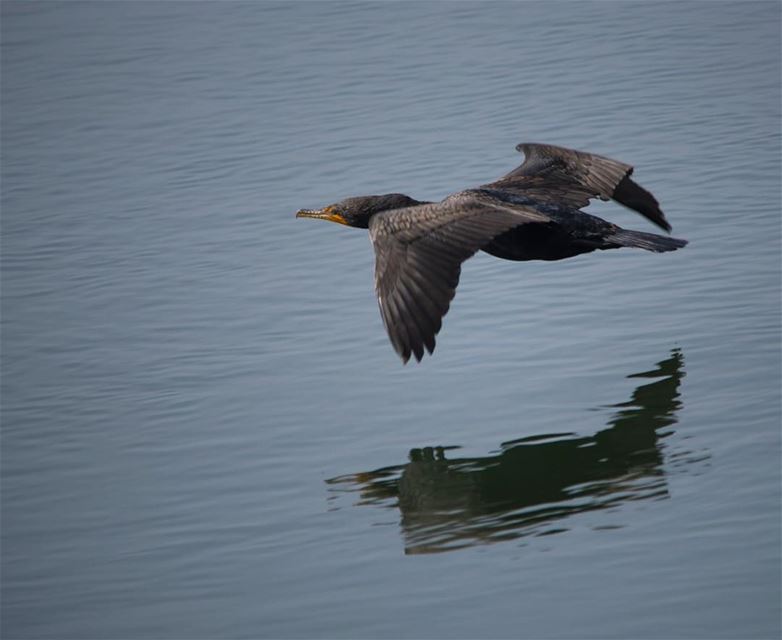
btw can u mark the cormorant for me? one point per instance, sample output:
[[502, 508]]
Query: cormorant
[[532, 213]]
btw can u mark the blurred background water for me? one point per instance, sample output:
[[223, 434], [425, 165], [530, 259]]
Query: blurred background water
[[205, 432]]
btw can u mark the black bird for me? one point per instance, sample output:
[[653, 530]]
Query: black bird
[[530, 214]]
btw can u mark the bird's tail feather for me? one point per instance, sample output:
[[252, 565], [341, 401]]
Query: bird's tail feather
[[648, 241]]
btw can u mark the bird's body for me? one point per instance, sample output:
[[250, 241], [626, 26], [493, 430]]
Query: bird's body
[[533, 213]]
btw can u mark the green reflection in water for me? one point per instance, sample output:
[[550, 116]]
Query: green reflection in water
[[533, 484]]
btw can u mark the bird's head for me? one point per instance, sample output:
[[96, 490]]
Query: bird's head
[[356, 212]]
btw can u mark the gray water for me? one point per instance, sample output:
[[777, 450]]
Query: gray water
[[205, 431]]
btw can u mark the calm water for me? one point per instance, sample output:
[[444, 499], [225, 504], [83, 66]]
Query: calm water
[[205, 432]]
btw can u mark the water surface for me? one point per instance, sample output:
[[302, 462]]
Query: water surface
[[205, 432]]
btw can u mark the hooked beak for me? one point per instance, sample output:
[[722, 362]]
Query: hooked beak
[[327, 213]]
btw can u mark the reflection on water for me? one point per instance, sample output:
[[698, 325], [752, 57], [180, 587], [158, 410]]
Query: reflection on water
[[533, 484]]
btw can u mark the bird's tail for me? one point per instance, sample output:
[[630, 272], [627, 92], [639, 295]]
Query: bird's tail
[[648, 241]]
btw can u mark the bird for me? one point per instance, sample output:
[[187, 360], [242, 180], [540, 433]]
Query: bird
[[532, 213]]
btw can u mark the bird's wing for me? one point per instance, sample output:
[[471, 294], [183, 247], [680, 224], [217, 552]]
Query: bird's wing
[[418, 257], [559, 175]]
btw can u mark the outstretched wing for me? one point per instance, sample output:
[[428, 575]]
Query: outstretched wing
[[559, 175], [418, 257]]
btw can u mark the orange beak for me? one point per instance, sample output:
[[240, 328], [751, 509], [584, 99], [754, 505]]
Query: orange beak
[[327, 213]]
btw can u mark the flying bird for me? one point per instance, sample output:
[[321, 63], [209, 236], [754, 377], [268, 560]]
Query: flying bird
[[532, 213]]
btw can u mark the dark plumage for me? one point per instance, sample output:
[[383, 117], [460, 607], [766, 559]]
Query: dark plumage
[[530, 214]]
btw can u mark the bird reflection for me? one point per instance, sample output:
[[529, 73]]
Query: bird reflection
[[534, 483]]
